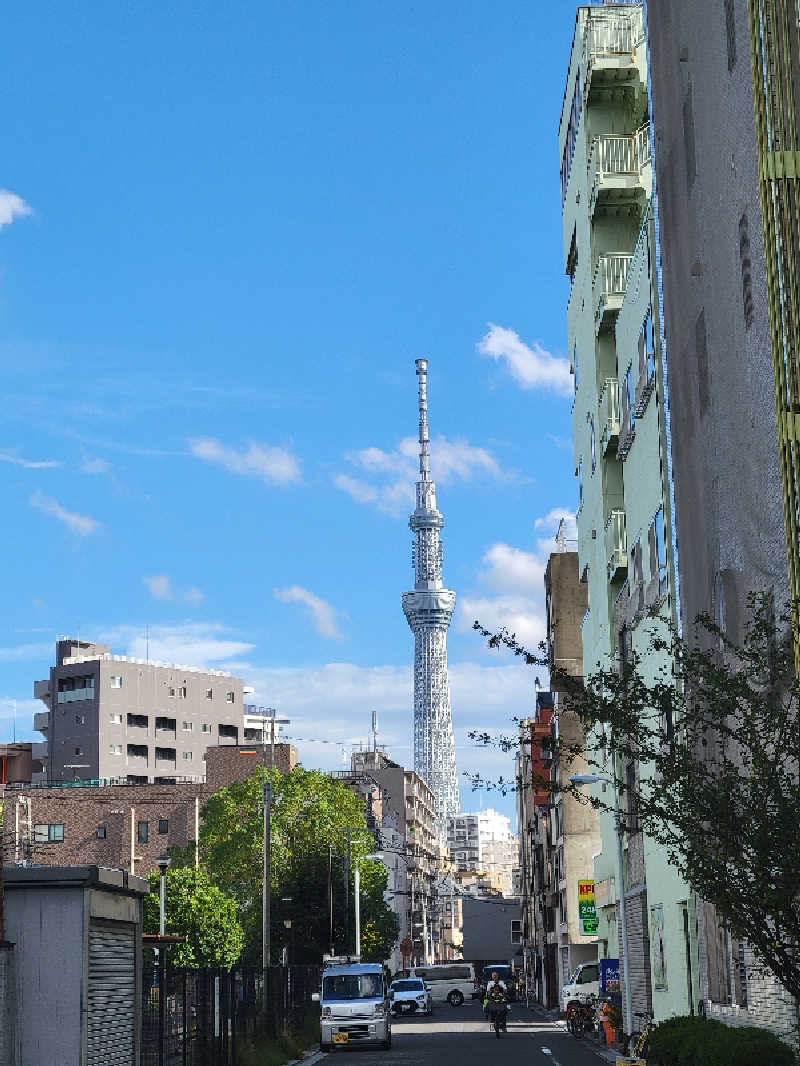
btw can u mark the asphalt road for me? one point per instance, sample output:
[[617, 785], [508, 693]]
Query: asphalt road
[[460, 1036]]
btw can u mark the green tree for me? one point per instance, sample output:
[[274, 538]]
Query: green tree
[[715, 740], [311, 816], [199, 910]]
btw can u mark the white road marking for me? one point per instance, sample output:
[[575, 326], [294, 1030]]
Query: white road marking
[[553, 1059]]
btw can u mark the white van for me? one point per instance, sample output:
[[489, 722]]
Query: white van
[[584, 982], [354, 1006], [450, 982]]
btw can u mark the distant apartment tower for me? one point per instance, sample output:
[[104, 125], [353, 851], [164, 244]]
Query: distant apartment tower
[[122, 719], [484, 843]]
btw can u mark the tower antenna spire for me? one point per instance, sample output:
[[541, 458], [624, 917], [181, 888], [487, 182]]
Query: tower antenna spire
[[428, 610]]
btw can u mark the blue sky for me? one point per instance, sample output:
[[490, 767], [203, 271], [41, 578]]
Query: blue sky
[[226, 232]]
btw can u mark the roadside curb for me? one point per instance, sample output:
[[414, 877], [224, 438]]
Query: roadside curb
[[310, 1057]]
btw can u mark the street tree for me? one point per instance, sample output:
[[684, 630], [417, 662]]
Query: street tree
[[200, 911], [318, 833], [715, 738]]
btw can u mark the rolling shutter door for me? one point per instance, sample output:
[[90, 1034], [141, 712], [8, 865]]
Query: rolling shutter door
[[639, 948], [111, 998]]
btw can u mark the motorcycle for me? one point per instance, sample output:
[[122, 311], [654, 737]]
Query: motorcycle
[[497, 1010]]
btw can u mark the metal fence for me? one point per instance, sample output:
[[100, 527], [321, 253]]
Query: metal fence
[[209, 1015]]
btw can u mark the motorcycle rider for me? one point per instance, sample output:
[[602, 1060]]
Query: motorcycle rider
[[496, 999]]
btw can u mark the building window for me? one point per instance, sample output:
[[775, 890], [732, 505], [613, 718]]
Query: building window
[[661, 551], [187, 727], [575, 364], [138, 721], [209, 693], [516, 931], [101, 832], [142, 832], [78, 751], [80, 719], [163, 825], [230, 697], [747, 270], [115, 749], [52, 833], [187, 756], [592, 441], [580, 484], [182, 692], [115, 719], [205, 727], [116, 682], [730, 33], [171, 692]]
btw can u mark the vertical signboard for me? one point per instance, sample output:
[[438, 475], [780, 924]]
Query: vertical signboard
[[587, 915]]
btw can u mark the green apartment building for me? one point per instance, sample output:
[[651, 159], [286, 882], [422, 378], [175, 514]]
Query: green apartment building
[[620, 433]]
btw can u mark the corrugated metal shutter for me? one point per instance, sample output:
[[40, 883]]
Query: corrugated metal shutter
[[639, 948], [111, 1001]]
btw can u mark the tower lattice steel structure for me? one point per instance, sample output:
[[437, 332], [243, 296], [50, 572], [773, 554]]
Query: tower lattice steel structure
[[428, 610]]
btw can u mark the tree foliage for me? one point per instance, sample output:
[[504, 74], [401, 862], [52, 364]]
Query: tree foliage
[[715, 735], [199, 910], [312, 815]]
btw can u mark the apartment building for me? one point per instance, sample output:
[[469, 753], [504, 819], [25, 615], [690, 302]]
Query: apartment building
[[725, 193], [484, 843], [620, 434], [112, 717], [408, 817]]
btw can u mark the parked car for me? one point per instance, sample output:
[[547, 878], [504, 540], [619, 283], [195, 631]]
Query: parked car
[[451, 982], [583, 983], [409, 995]]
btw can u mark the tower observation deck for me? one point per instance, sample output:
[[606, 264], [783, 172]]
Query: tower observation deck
[[428, 610]]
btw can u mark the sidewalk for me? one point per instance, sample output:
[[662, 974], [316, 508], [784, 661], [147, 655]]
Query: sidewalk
[[607, 1054]]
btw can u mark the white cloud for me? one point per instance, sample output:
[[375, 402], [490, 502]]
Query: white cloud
[[11, 207], [273, 465], [83, 525], [551, 521], [201, 644], [26, 651], [329, 708], [323, 614], [160, 588], [532, 367], [512, 580], [29, 464], [95, 466], [391, 475]]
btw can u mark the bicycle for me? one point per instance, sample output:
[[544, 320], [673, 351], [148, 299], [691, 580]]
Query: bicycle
[[640, 1042], [581, 1016]]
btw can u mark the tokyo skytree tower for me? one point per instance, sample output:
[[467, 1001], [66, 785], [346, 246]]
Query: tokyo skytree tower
[[428, 610]]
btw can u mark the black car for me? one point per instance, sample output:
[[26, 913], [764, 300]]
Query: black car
[[506, 975]]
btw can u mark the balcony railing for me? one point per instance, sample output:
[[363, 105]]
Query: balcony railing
[[616, 544], [610, 279], [616, 164], [609, 414], [611, 36]]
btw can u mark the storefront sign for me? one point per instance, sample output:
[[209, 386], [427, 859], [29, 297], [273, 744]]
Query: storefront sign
[[587, 915]]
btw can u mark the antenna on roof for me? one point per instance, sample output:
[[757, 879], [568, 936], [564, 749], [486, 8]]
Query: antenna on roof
[[374, 730]]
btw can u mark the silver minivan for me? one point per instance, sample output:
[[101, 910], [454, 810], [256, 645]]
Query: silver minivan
[[450, 982], [354, 1006]]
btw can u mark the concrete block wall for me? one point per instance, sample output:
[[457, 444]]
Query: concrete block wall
[[8, 1005], [769, 1005]]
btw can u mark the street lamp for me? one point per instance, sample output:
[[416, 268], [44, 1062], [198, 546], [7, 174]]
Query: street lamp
[[266, 798], [287, 925], [163, 863], [579, 780]]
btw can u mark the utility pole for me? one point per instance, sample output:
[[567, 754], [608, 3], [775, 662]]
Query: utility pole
[[266, 802], [346, 833]]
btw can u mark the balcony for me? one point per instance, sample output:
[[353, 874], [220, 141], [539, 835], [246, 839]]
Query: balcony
[[609, 414], [617, 170], [41, 691], [616, 545], [610, 43], [41, 721], [608, 287], [165, 758]]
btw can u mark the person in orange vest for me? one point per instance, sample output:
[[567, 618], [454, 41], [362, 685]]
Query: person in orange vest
[[605, 1020]]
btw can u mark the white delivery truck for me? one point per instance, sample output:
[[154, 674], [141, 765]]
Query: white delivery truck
[[354, 1006]]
